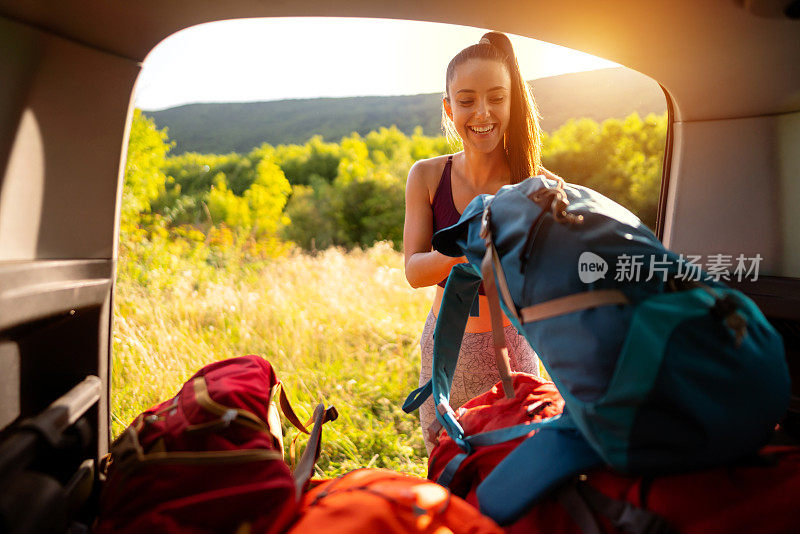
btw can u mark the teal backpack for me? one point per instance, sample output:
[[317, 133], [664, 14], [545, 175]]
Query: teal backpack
[[660, 374]]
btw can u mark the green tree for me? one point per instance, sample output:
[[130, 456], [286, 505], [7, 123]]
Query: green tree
[[144, 177], [365, 202], [316, 157], [267, 197], [369, 210], [620, 158], [225, 207], [194, 173], [424, 147], [312, 215]]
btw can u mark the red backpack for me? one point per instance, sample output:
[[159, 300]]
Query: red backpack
[[209, 460], [759, 495]]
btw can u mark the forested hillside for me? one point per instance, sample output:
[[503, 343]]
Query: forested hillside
[[348, 193], [239, 127]]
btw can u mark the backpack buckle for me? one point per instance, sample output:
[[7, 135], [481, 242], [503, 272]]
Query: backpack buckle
[[228, 417]]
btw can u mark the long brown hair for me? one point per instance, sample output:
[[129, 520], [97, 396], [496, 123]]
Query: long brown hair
[[522, 140]]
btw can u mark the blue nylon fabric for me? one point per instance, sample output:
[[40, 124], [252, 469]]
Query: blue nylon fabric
[[589, 341], [418, 397], [608, 422], [451, 469], [677, 415], [537, 465], [617, 375], [501, 435], [462, 285]]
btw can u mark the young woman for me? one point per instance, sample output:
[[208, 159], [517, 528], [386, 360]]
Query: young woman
[[488, 105]]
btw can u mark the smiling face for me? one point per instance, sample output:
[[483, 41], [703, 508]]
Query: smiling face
[[480, 103]]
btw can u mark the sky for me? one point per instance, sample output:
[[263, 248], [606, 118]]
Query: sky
[[253, 60]]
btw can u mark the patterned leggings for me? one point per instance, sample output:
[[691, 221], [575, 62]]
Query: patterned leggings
[[476, 370]]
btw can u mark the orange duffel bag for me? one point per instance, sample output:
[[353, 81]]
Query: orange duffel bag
[[377, 500]]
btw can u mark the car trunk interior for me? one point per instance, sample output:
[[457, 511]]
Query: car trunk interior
[[731, 186]]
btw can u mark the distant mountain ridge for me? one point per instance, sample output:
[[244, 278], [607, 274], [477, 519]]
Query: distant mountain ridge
[[238, 127]]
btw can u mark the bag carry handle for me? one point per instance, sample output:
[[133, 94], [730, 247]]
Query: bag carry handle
[[555, 199], [288, 411]]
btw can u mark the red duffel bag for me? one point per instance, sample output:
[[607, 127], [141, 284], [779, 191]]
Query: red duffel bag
[[761, 494], [209, 460], [534, 399]]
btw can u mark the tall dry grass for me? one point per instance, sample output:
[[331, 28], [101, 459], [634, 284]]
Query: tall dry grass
[[338, 327]]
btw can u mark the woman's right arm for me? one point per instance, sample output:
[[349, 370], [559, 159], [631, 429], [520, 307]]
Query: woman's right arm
[[424, 267]]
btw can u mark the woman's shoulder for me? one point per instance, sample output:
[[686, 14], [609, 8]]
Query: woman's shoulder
[[428, 171]]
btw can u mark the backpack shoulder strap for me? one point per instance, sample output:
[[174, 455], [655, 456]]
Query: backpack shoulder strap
[[460, 294]]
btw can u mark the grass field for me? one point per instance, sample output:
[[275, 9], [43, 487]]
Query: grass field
[[341, 327]]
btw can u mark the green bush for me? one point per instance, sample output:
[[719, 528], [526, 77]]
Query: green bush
[[621, 159]]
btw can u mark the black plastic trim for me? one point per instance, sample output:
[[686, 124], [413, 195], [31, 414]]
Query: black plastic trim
[[777, 296]]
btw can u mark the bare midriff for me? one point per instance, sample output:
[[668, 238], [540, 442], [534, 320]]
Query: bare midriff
[[481, 323]]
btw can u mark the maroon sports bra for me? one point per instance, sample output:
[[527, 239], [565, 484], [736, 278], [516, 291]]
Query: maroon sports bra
[[444, 208]]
